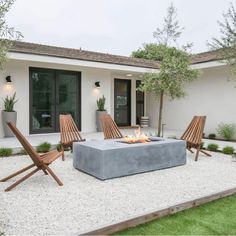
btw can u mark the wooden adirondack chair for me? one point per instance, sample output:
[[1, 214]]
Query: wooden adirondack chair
[[193, 135], [40, 162], [69, 133], [110, 128]]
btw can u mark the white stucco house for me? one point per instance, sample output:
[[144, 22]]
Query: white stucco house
[[52, 80]]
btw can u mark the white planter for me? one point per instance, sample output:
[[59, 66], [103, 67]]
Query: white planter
[[8, 117]]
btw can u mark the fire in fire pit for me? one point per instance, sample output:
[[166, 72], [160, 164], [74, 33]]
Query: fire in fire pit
[[137, 138]]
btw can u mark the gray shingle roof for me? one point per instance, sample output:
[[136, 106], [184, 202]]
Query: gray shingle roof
[[39, 49]]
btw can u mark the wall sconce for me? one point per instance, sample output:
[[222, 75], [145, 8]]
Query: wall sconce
[[8, 79], [97, 84]]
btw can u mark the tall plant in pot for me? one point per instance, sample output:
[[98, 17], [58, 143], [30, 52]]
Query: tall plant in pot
[[100, 112], [9, 114]]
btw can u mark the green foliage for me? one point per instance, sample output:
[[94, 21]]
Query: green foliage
[[7, 33], [226, 43], [23, 152], [43, 147], [212, 136], [174, 71], [212, 147], [101, 104], [171, 30], [5, 152], [227, 131], [59, 147], [9, 103], [228, 150]]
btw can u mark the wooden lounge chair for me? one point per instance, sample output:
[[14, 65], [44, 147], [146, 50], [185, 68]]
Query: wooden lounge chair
[[40, 162], [110, 128], [69, 133], [193, 135]]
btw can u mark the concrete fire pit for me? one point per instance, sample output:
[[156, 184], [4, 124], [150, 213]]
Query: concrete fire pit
[[107, 159]]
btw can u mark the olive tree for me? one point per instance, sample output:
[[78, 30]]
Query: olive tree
[[7, 33], [174, 71], [226, 43]]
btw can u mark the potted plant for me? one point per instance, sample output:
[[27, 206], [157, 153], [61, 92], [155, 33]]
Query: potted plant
[[100, 112], [8, 114]]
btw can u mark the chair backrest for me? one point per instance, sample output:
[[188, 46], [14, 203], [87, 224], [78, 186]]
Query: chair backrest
[[69, 130], [26, 145], [110, 128], [193, 134]]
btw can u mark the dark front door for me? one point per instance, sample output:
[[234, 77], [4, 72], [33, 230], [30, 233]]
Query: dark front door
[[122, 102], [53, 92], [139, 103]]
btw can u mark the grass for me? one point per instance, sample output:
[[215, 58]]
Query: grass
[[215, 218]]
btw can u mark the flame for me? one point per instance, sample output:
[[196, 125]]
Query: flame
[[138, 137]]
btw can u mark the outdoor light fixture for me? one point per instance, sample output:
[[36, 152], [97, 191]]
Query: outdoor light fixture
[[8, 79], [97, 84], [129, 75]]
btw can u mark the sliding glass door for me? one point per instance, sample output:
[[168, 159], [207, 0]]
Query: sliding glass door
[[53, 92]]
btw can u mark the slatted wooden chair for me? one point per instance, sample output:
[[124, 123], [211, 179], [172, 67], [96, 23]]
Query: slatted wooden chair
[[110, 128], [193, 135], [69, 133], [41, 162]]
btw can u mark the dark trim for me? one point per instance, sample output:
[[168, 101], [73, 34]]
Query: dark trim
[[55, 103], [147, 217], [138, 102], [129, 100]]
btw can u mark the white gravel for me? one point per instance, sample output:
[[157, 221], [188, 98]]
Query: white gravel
[[40, 207]]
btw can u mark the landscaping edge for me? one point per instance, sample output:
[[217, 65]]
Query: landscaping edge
[[141, 219]]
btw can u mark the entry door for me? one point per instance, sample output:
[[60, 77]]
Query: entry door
[[122, 102], [53, 92]]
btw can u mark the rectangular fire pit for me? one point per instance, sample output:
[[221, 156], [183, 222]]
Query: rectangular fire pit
[[107, 159]]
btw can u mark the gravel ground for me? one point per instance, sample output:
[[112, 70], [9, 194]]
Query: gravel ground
[[40, 207]]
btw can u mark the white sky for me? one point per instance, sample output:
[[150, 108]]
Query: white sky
[[113, 26]]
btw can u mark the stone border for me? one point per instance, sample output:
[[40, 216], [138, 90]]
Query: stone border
[[141, 219]]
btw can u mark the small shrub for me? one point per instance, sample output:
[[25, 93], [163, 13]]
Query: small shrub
[[23, 152], [202, 145], [172, 137], [59, 147], [101, 104], [43, 147], [212, 136], [213, 147], [227, 131], [6, 152], [228, 150]]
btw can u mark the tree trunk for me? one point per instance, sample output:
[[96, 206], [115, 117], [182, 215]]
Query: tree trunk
[[160, 114]]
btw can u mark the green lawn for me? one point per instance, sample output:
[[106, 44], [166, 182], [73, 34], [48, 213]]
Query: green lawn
[[215, 218]]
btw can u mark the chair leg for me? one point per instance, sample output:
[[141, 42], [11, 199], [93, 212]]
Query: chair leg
[[63, 152], [197, 153], [22, 179], [190, 150], [54, 176], [209, 155], [17, 173]]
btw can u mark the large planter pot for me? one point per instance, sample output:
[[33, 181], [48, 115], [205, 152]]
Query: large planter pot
[[8, 117], [99, 114]]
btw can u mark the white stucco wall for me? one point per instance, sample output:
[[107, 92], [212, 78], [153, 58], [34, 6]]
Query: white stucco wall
[[211, 95], [19, 72]]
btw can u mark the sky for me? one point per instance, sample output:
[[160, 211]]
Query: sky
[[113, 26]]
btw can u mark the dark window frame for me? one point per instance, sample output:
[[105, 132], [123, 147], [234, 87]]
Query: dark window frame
[[55, 128], [128, 81]]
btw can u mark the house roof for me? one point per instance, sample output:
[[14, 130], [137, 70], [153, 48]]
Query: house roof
[[79, 54], [205, 57], [71, 53]]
